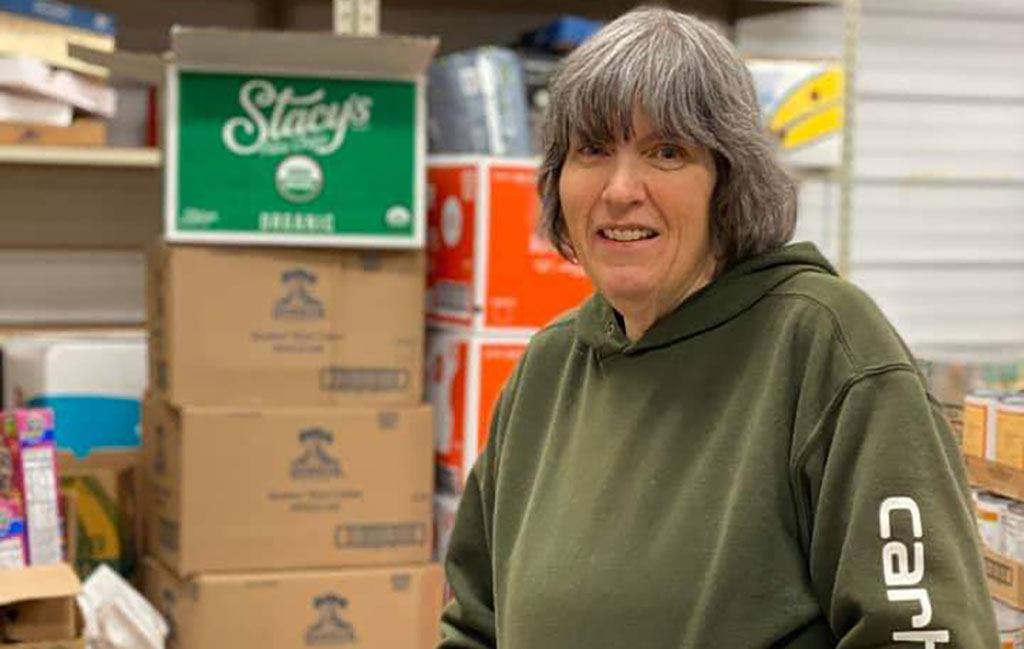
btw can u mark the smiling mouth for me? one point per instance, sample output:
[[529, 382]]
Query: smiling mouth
[[626, 234]]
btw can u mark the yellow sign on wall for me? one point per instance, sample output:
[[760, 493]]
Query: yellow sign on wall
[[802, 103]]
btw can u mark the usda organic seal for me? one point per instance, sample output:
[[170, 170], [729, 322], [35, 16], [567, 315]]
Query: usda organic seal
[[398, 216], [299, 179]]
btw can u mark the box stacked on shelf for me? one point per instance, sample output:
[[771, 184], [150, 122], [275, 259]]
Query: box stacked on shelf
[[32, 457], [94, 384], [992, 441], [492, 282], [287, 450], [48, 97], [478, 104], [1010, 622]]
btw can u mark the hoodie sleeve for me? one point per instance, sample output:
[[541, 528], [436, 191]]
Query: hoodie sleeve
[[468, 621], [893, 547]]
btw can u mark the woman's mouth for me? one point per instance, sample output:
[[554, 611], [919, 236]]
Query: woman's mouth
[[627, 234]]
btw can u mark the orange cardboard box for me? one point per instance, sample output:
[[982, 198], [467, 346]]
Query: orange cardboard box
[[466, 373], [488, 268]]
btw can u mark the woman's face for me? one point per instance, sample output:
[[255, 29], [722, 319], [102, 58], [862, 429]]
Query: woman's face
[[637, 213]]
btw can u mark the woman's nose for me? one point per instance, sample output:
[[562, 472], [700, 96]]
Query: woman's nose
[[625, 185]]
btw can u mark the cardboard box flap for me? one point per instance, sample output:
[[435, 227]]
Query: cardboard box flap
[[147, 68], [38, 582], [320, 53]]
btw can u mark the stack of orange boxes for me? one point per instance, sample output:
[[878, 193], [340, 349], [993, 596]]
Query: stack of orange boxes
[[493, 281]]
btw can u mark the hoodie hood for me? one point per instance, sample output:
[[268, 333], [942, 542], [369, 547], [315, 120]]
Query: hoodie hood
[[729, 295]]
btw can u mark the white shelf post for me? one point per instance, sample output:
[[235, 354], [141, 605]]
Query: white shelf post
[[357, 17]]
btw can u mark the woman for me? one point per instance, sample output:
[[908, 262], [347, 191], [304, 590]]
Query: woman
[[727, 446]]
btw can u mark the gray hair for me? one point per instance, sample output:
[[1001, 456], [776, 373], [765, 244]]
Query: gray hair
[[695, 87]]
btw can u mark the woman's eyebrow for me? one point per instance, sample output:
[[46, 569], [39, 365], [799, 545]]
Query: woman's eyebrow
[[657, 137], [588, 138]]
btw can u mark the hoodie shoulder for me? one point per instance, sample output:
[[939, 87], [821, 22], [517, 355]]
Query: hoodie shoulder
[[557, 334], [868, 338]]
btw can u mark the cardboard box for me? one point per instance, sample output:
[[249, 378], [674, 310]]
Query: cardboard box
[[237, 489], [37, 607], [466, 373], [107, 526], [296, 139], [292, 139], [274, 326], [373, 608], [997, 478], [1010, 432], [1005, 578], [488, 267], [69, 516], [93, 383], [979, 425], [29, 436], [82, 132]]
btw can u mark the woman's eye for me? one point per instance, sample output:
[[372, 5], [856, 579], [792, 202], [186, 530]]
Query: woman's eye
[[591, 150], [670, 153]]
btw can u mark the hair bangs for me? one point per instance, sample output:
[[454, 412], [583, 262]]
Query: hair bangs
[[613, 84]]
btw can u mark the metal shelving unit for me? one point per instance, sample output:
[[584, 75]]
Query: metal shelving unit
[[79, 156]]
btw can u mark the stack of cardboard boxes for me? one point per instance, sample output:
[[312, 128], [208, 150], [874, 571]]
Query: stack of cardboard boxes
[[493, 281], [287, 451]]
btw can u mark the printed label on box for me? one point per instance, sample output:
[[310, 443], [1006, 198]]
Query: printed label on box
[[528, 283], [289, 155], [451, 218]]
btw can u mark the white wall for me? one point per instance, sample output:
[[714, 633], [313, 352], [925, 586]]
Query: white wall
[[938, 221]]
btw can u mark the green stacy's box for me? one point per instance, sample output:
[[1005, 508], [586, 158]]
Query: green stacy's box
[[295, 139]]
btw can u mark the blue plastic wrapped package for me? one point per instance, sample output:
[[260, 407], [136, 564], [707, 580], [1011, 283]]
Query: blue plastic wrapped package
[[562, 35], [477, 104], [93, 383]]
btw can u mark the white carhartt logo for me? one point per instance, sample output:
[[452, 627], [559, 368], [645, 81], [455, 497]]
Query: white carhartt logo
[[295, 122], [901, 576]]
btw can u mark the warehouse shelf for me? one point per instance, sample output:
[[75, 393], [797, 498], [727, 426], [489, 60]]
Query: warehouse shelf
[[79, 198], [737, 9], [602, 8], [80, 156], [922, 177], [997, 478]]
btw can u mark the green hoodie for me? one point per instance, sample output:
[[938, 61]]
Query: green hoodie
[[763, 468]]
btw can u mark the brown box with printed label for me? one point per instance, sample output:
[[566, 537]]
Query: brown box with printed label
[[281, 488], [285, 326], [395, 607]]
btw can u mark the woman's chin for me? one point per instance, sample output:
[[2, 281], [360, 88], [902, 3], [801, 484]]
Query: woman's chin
[[626, 290]]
